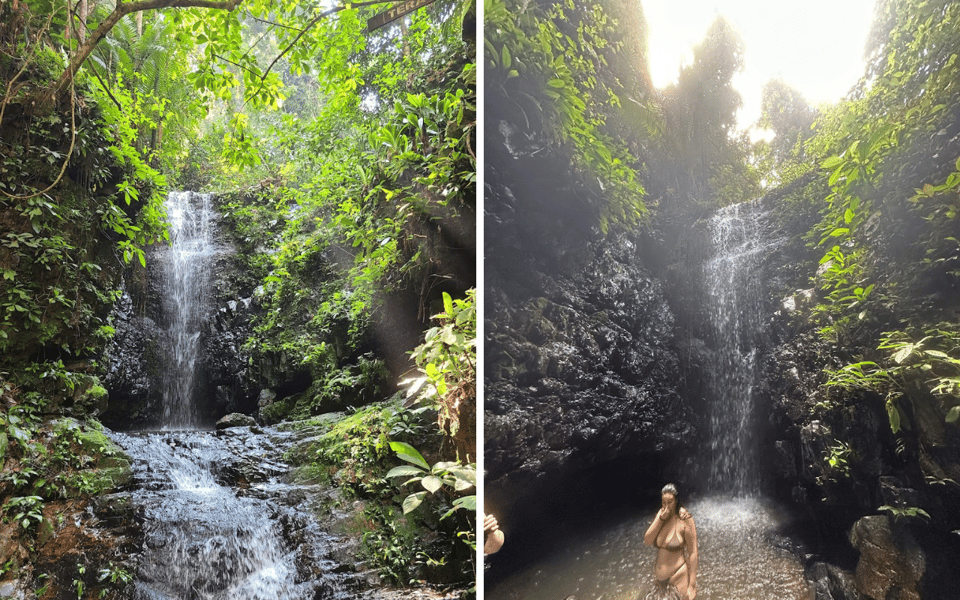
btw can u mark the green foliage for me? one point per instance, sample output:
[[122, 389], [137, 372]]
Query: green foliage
[[59, 458], [447, 360], [114, 575], [353, 449], [900, 512], [442, 506], [838, 458], [26, 511], [710, 160], [786, 112], [889, 224], [392, 544], [78, 581], [355, 152], [452, 475], [74, 190], [555, 59], [931, 364], [940, 207]]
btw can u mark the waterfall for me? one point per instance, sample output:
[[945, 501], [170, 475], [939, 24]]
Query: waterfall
[[185, 269], [734, 295], [220, 520]]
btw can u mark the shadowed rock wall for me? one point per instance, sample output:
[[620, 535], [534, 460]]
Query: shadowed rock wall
[[581, 397]]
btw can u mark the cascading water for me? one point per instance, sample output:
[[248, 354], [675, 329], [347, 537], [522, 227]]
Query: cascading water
[[185, 268], [732, 280], [203, 539]]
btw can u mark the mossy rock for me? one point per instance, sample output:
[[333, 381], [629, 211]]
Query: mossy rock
[[276, 412], [313, 426], [98, 464], [310, 473]]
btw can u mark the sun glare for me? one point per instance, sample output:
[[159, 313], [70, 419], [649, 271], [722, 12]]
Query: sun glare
[[815, 46]]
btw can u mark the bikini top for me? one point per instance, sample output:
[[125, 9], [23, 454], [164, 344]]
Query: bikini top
[[673, 541]]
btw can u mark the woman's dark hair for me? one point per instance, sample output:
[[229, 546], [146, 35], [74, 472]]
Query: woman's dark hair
[[672, 490]]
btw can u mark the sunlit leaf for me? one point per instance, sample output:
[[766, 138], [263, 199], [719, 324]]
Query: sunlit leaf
[[409, 454], [431, 483], [412, 501]]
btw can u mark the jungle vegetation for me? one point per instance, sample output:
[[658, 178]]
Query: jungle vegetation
[[322, 139]]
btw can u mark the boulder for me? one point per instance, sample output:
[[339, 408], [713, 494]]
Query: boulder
[[236, 420], [831, 583], [891, 561]]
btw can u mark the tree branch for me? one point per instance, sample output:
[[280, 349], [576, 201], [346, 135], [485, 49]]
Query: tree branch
[[266, 22], [122, 9], [238, 65], [309, 26]]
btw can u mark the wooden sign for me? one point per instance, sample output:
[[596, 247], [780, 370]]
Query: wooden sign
[[399, 9]]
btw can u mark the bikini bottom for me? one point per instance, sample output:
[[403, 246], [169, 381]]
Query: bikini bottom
[[664, 590]]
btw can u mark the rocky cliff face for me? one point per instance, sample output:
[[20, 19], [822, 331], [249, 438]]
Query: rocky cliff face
[[135, 357], [581, 394]]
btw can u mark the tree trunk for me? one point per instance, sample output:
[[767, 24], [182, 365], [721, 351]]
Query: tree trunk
[[83, 13]]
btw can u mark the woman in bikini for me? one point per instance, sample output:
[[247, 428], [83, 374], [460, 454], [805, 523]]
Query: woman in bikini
[[674, 533]]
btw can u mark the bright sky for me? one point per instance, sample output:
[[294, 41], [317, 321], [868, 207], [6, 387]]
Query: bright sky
[[816, 46]]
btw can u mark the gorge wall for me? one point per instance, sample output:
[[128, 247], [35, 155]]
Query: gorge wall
[[582, 402]]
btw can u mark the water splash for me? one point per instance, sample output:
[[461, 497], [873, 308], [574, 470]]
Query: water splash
[[736, 560], [734, 291], [185, 269]]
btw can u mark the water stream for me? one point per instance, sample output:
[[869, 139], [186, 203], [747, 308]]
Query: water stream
[[204, 539], [737, 560]]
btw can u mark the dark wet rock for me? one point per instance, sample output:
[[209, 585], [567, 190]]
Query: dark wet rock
[[891, 561], [133, 361], [235, 420], [266, 398], [905, 558], [815, 440], [581, 376], [831, 583]]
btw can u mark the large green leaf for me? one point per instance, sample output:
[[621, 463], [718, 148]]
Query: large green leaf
[[409, 454], [432, 483], [404, 471]]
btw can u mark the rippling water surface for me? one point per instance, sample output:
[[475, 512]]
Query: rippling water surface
[[203, 540], [736, 561]]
